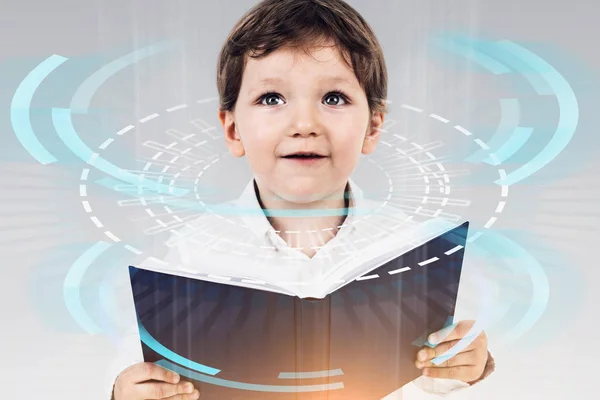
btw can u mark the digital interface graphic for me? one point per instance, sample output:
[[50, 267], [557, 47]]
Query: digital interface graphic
[[165, 187], [94, 183]]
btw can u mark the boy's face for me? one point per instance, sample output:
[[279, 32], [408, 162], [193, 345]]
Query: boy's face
[[315, 105]]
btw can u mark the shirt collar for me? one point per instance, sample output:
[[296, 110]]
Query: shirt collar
[[260, 225]]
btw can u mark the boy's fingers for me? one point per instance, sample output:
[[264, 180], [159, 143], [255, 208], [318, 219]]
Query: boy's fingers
[[465, 358], [452, 332], [157, 391], [149, 371], [191, 396], [462, 373], [428, 353]]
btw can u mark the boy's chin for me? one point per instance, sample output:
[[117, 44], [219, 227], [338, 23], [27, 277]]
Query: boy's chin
[[306, 193]]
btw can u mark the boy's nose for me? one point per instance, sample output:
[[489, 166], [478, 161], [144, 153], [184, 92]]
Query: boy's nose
[[306, 121]]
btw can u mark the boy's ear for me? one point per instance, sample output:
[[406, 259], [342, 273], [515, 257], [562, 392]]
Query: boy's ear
[[232, 137], [373, 132]]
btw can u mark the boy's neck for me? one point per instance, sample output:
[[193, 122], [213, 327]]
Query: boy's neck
[[306, 233]]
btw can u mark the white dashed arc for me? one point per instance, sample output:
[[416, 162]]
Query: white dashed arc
[[442, 176], [430, 172]]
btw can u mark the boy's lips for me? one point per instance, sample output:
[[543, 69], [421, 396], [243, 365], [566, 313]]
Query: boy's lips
[[305, 154], [305, 158]]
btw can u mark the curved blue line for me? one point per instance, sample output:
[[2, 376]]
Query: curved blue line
[[545, 80], [535, 68], [484, 316], [83, 96], [72, 283], [248, 386], [464, 46], [482, 321], [163, 351], [423, 341], [514, 143], [540, 286], [311, 374], [534, 76], [511, 114], [108, 303], [21, 104], [61, 117]]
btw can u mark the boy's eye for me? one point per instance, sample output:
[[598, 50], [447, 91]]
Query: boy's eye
[[332, 99], [270, 99], [335, 99]]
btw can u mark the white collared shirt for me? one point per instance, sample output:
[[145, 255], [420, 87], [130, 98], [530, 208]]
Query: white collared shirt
[[228, 233]]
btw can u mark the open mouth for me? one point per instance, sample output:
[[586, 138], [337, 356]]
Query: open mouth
[[306, 156]]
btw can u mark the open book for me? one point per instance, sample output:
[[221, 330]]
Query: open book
[[353, 335]]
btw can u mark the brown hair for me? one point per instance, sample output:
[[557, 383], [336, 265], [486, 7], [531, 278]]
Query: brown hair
[[273, 24]]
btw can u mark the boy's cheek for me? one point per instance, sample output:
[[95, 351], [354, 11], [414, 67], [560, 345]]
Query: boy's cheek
[[261, 164]]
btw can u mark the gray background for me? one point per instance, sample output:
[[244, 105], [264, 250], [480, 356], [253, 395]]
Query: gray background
[[43, 228]]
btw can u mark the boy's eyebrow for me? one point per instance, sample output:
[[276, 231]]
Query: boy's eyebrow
[[324, 79], [270, 81], [334, 79], [263, 82]]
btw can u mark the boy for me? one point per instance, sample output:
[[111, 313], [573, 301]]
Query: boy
[[302, 85]]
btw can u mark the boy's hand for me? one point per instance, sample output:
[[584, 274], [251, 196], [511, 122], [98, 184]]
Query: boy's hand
[[467, 365], [131, 384]]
